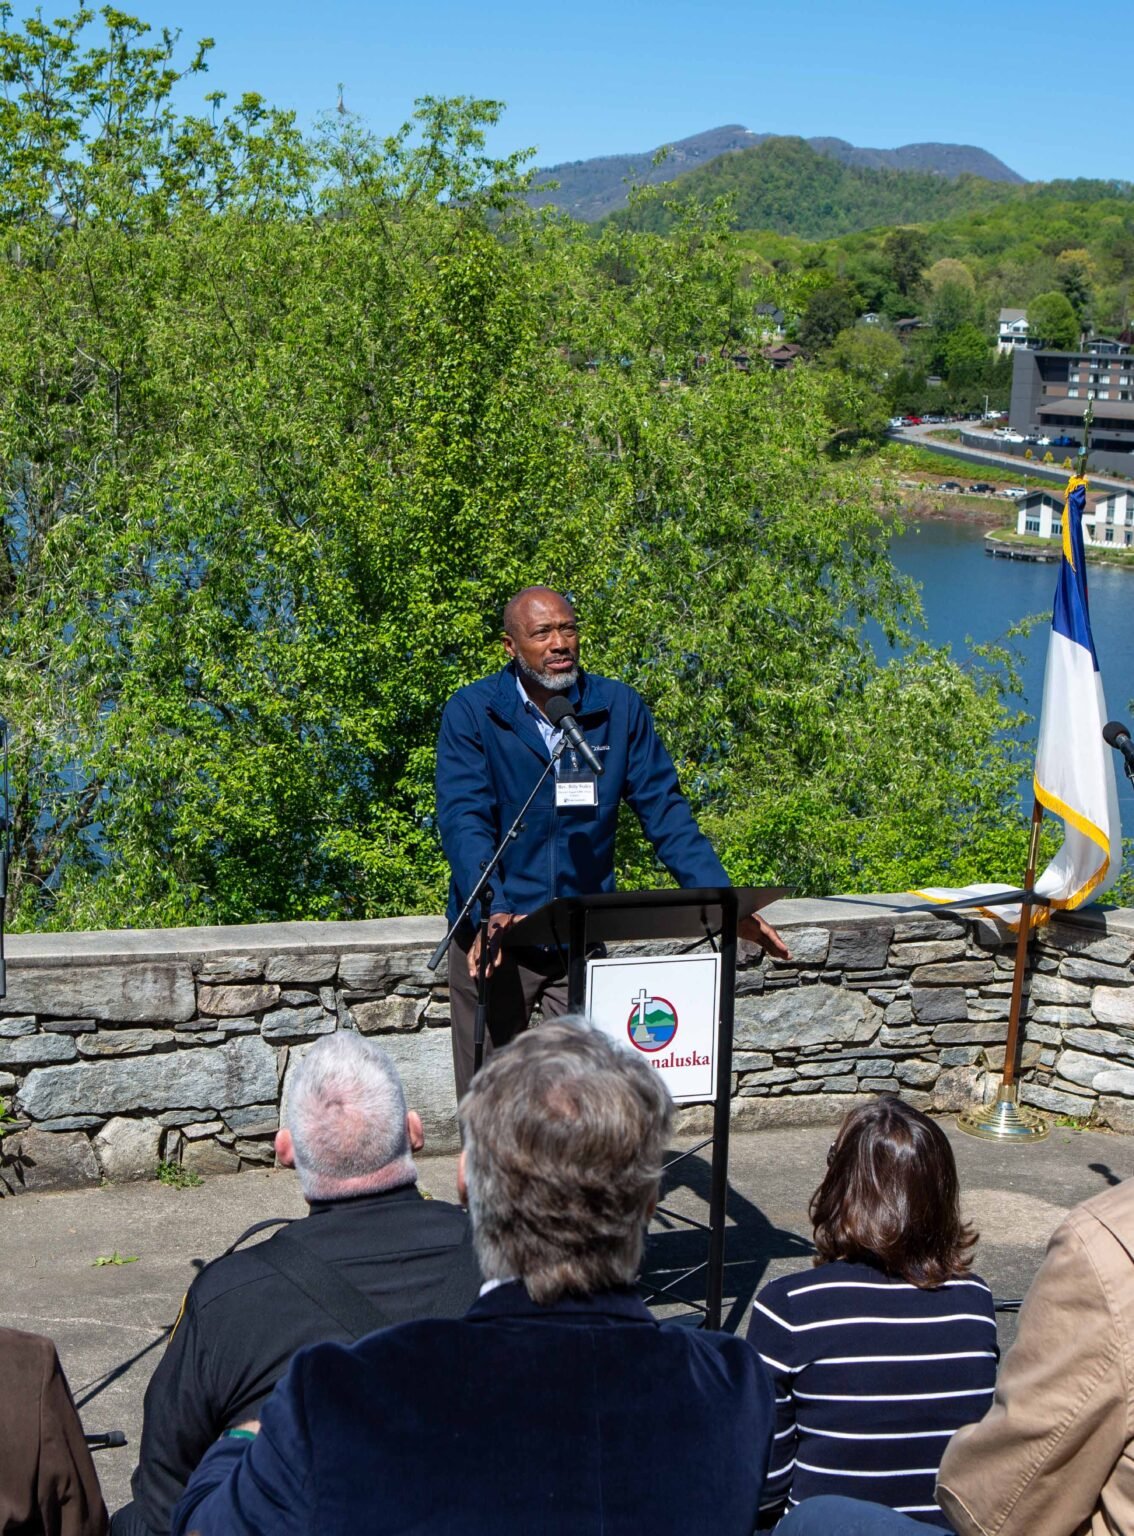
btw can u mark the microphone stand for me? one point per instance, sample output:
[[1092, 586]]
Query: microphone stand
[[483, 893]]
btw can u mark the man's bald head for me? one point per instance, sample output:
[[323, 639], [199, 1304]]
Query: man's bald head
[[517, 608]]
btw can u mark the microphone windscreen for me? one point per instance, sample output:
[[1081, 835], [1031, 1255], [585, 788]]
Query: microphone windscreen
[[557, 710], [1113, 732]]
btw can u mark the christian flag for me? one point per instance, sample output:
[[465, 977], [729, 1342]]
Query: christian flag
[[1074, 773]]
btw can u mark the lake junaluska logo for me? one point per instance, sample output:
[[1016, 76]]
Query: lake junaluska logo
[[652, 1023]]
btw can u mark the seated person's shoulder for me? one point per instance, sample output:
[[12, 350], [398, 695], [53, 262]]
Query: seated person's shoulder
[[28, 1361], [22, 1348], [378, 1228]]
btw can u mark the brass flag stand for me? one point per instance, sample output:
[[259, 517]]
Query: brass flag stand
[[1004, 1120]]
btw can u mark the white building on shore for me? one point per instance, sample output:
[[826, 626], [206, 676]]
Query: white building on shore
[[1108, 523]]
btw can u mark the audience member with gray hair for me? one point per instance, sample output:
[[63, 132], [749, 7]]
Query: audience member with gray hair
[[558, 1404], [371, 1252]]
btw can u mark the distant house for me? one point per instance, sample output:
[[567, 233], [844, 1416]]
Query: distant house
[[784, 355], [771, 321], [906, 330], [1039, 512], [1111, 521], [871, 317], [1013, 330]]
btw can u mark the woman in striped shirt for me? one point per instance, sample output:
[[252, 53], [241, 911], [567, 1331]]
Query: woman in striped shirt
[[889, 1344]]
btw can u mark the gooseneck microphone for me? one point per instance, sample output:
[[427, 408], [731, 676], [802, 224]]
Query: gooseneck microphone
[[1116, 735], [562, 716]]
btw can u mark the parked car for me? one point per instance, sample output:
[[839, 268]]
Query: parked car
[[1014, 492], [911, 421], [1064, 442], [981, 488], [897, 421], [1011, 437], [951, 485]]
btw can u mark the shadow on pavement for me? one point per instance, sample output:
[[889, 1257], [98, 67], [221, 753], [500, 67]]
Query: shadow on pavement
[[675, 1248]]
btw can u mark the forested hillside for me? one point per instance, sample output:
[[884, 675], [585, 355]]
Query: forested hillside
[[783, 187], [1063, 253], [786, 186], [591, 189]]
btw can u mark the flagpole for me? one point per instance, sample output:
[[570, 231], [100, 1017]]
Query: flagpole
[[1015, 1008], [1004, 1120]]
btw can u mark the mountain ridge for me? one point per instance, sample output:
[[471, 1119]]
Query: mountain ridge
[[591, 189]]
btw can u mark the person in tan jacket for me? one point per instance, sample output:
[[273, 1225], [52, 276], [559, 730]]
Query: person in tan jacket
[[1054, 1455], [48, 1484]]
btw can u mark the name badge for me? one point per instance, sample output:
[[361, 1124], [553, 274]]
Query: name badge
[[573, 790]]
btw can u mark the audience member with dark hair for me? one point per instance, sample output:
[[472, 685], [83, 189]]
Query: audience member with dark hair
[[372, 1250], [558, 1404], [883, 1351], [48, 1485]]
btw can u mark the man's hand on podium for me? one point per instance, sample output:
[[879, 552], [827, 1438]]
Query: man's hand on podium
[[757, 931], [496, 926]]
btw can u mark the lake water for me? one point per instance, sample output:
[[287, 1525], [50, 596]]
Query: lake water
[[968, 595]]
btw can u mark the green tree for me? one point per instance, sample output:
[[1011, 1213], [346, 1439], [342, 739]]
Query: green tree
[[1052, 319], [968, 358], [864, 362], [950, 308], [906, 252], [1075, 274], [829, 310], [949, 272]]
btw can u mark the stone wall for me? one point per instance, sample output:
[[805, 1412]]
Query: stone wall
[[120, 1050]]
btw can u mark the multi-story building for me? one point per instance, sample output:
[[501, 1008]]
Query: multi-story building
[[1051, 392]]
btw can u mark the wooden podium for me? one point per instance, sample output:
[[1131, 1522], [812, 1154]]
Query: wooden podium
[[576, 924]]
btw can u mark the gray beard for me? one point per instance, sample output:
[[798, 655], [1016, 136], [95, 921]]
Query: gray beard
[[554, 682]]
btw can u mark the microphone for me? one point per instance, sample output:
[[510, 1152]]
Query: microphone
[[1117, 736], [108, 1440], [560, 713]]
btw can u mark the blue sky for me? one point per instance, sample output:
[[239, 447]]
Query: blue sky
[[594, 78]]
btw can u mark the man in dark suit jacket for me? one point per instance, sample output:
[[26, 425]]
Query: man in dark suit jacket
[[399, 1256], [558, 1404], [48, 1485]]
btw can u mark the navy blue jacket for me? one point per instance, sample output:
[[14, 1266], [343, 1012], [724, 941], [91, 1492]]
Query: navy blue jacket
[[489, 755], [582, 1418]]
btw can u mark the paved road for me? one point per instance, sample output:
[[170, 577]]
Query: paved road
[[922, 437], [109, 1321]]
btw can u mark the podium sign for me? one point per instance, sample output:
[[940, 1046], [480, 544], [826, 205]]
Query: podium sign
[[665, 1007]]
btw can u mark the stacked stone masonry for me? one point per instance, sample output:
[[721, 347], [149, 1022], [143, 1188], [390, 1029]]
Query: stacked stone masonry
[[119, 1051]]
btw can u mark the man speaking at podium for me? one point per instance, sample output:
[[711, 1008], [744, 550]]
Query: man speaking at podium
[[495, 740]]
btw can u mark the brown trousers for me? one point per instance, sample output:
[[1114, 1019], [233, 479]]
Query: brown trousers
[[524, 978]]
